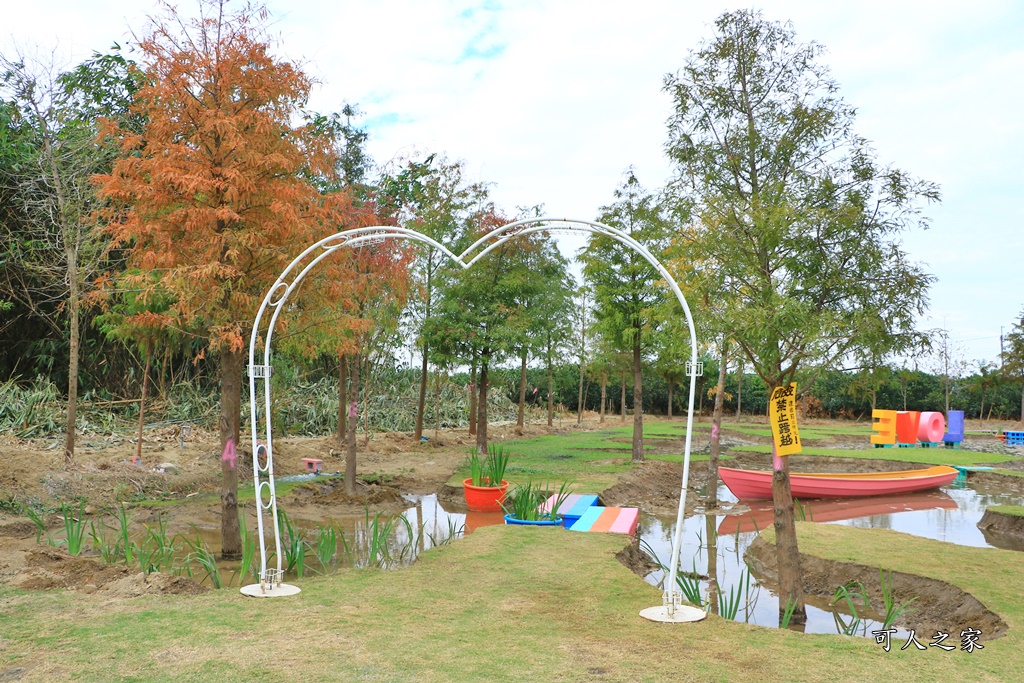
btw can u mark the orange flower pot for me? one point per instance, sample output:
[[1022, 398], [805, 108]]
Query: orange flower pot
[[484, 498]]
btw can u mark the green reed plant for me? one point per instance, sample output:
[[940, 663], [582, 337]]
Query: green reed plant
[[123, 546], [157, 550], [849, 593], [248, 565], [893, 610], [325, 549], [74, 527], [454, 531], [408, 552], [524, 502], [787, 614], [100, 544], [201, 556], [496, 463], [689, 585], [292, 544], [377, 534], [476, 468], [40, 523], [729, 603]]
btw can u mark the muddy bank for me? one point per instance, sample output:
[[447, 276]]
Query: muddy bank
[[1002, 530], [37, 567], [939, 606], [653, 486]]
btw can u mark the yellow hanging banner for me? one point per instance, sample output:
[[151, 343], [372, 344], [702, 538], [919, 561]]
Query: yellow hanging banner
[[782, 415]]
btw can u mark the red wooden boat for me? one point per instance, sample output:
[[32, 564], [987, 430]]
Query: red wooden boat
[[750, 484]]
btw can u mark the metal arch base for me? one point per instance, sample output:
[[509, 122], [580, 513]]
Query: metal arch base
[[277, 296], [281, 590], [682, 614]]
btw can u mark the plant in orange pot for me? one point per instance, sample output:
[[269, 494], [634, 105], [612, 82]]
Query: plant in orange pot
[[482, 492]]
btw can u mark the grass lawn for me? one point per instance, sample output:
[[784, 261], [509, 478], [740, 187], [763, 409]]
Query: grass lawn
[[1015, 510], [504, 604]]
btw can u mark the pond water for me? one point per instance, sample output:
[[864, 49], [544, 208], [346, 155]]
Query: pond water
[[949, 515]]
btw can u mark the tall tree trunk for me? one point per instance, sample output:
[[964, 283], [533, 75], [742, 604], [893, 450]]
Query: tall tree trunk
[[230, 426], [638, 404], [716, 429], [472, 398], [481, 419], [350, 434], [622, 403], [366, 401], [981, 415], [579, 397], [1021, 405], [74, 304], [787, 553], [342, 400], [163, 375], [670, 385], [604, 393], [551, 388], [521, 419], [421, 404], [437, 405], [739, 388], [142, 405], [711, 534]]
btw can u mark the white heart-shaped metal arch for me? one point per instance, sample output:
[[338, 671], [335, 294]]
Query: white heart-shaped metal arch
[[277, 296]]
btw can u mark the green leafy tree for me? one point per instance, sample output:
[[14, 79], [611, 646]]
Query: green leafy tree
[[797, 213], [49, 145], [627, 289], [542, 300], [432, 197], [1013, 358], [479, 314]]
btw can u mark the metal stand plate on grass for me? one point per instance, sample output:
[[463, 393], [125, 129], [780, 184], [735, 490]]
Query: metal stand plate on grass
[[673, 612], [282, 590], [683, 614], [270, 586]]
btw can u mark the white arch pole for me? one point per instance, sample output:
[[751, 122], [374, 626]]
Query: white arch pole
[[355, 237]]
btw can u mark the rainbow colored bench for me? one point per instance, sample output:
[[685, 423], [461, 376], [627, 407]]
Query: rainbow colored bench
[[609, 519], [574, 505]]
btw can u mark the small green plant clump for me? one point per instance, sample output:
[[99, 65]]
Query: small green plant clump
[[526, 502]]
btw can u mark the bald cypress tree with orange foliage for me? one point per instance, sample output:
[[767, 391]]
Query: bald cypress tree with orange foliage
[[213, 193]]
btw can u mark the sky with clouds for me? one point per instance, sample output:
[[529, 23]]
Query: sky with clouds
[[551, 101]]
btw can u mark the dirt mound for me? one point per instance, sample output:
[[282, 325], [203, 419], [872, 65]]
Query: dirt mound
[[654, 487], [939, 606], [148, 584], [331, 492], [33, 567], [46, 568]]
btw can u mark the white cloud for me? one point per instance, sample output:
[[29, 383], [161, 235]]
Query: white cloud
[[552, 100]]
